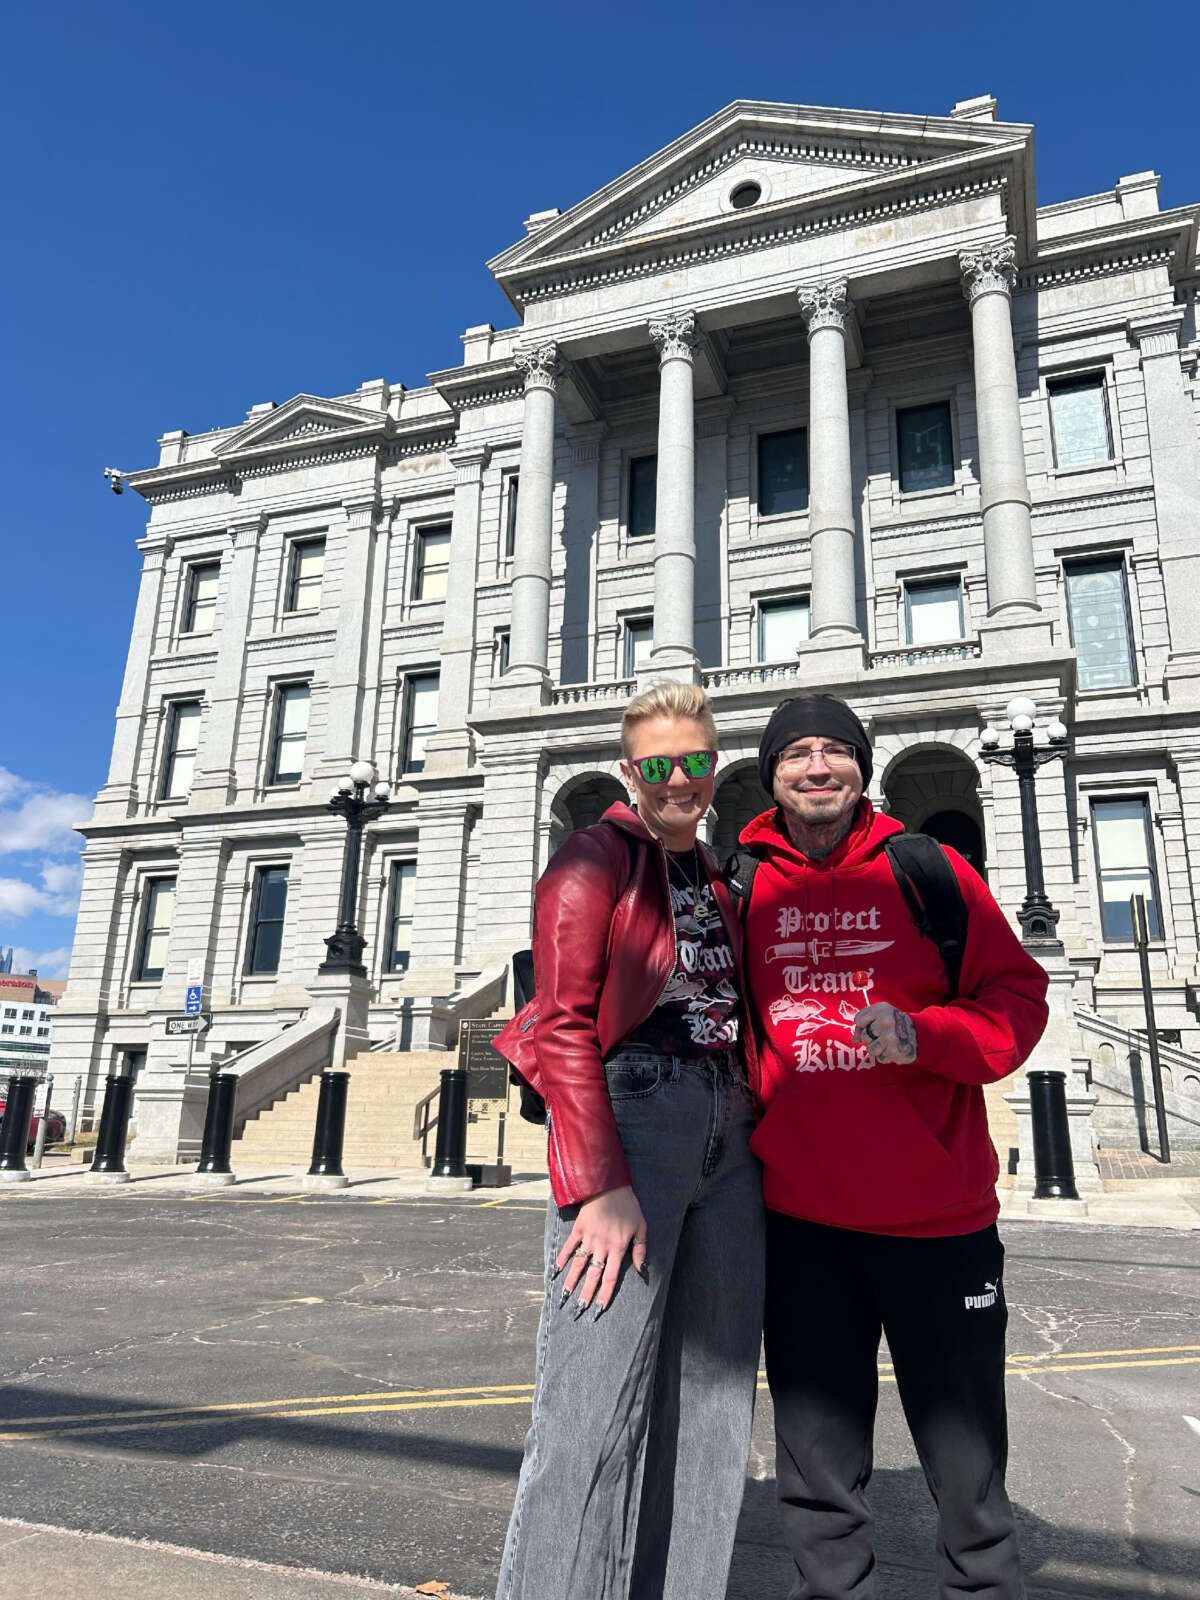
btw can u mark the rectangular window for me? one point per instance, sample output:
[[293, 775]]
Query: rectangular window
[[401, 897], [1124, 865], [24, 1032], [1098, 612], [639, 641], [433, 563], [200, 605], [183, 738], [933, 611], [306, 572], [782, 472], [925, 447], [266, 921], [43, 1033], [1079, 420], [643, 492], [290, 735], [420, 718], [27, 1016], [7, 1028], [10, 1011], [500, 652], [158, 907], [782, 625], [512, 489]]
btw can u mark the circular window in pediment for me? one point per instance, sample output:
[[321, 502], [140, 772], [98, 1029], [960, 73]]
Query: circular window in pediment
[[746, 194]]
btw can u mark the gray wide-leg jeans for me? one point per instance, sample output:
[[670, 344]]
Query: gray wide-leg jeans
[[635, 1459]]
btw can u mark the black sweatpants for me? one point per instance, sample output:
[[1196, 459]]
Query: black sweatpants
[[830, 1293]]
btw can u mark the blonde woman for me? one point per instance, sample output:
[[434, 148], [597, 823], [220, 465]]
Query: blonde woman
[[648, 1346]]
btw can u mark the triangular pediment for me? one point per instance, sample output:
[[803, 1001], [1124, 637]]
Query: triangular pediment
[[796, 155], [303, 420]]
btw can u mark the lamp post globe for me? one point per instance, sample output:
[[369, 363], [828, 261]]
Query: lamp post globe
[[1023, 708], [351, 800]]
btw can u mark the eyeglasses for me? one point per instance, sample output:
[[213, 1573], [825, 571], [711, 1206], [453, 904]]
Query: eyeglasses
[[836, 755], [696, 764]]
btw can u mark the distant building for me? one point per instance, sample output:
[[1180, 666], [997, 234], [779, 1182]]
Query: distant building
[[26, 1018], [809, 398]]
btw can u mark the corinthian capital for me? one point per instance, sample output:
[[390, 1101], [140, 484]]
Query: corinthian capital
[[990, 269], [825, 305], [540, 364], [675, 336]]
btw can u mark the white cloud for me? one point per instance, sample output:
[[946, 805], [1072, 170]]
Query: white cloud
[[43, 822], [46, 963], [63, 878]]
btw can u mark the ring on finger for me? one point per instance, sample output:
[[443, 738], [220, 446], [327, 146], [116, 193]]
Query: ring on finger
[[582, 1254]]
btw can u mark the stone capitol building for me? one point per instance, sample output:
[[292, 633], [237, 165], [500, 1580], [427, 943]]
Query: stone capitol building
[[811, 398]]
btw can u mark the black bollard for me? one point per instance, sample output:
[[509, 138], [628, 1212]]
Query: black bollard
[[218, 1126], [109, 1160], [450, 1151], [14, 1130], [1053, 1168], [331, 1127]]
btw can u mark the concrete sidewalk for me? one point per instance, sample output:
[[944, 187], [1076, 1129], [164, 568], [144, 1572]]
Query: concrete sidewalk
[[1159, 1202], [101, 1567]]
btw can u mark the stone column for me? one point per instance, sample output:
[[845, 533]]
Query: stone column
[[673, 655], [119, 795], [828, 315], [1175, 460], [215, 781], [528, 679], [987, 279], [449, 748], [343, 723], [508, 852]]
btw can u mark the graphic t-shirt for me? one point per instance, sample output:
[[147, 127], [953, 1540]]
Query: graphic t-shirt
[[699, 1012]]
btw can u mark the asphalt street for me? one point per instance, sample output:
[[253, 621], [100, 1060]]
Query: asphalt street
[[344, 1385]]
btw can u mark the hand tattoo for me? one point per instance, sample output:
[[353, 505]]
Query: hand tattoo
[[906, 1037]]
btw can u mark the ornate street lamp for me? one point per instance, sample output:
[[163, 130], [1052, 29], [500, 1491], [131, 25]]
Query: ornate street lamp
[[351, 800], [1038, 918], [1054, 1167]]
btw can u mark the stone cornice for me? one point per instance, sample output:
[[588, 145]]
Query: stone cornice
[[742, 232], [464, 387], [1166, 236], [225, 471]]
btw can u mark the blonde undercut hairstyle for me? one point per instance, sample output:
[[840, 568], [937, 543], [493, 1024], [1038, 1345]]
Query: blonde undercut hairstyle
[[686, 702]]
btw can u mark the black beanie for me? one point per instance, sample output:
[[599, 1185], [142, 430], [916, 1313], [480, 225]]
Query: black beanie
[[821, 714]]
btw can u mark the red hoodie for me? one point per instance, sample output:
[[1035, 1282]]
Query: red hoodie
[[846, 1141]]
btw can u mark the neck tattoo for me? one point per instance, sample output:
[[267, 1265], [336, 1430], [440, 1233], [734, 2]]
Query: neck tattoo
[[817, 843]]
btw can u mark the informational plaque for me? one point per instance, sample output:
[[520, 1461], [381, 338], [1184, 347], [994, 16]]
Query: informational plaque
[[487, 1073]]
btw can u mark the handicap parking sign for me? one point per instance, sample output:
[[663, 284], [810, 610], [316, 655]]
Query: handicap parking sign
[[192, 1008]]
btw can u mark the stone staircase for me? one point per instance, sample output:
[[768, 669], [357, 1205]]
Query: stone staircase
[[384, 1090]]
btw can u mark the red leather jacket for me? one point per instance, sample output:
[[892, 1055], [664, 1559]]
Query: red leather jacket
[[603, 952]]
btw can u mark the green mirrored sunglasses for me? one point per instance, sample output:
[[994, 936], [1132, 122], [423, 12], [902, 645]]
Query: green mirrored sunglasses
[[696, 764]]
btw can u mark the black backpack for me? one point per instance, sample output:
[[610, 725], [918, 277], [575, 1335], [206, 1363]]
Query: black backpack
[[926, 881]]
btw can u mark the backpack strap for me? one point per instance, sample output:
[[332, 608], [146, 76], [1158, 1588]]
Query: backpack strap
[[740, 869], [933, 896]]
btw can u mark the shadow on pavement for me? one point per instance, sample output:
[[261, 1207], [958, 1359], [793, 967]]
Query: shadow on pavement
[[1058, 1560]]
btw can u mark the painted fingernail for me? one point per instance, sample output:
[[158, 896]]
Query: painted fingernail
[[566, 1295], [581, 1310], [601, 1308]]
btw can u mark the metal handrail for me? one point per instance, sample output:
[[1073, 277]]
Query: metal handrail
[[423, 1123]]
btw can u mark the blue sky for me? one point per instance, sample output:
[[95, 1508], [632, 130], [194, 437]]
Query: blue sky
[[212, 206]]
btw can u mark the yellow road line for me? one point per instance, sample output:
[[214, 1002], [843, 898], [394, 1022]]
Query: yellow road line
[[51, 1427]]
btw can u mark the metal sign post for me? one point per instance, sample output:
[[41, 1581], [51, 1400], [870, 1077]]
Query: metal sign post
[[1141, 938], [487, 1079]]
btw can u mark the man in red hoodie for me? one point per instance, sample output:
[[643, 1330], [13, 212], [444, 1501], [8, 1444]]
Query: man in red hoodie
[[879, 1174]]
